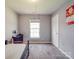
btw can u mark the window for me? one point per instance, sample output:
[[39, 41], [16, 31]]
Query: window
[[34, 29]]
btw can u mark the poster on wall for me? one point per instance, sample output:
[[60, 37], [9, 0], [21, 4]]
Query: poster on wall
[[70, 14]]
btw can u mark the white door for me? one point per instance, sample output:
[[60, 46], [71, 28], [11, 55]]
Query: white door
[[55, 30]]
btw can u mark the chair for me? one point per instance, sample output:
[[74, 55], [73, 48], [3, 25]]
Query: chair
[[18, 38]]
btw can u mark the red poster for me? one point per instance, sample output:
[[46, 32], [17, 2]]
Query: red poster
[[70, 11], [70, 15]]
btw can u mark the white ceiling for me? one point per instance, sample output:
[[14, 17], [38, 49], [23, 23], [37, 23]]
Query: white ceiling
[[39, 7]]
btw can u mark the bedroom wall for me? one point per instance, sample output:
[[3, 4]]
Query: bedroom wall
[[44, 27], [11, 23], [66, 33]]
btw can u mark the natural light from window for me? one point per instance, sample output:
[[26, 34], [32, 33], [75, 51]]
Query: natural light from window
[[34, 29]]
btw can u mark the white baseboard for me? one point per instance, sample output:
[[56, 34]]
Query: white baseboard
[[38, 41], [63, 52]]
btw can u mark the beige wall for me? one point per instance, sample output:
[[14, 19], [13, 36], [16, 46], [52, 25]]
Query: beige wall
[[44, 26], [10, 23]]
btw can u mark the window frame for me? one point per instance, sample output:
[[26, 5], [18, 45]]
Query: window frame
[[33, 29]]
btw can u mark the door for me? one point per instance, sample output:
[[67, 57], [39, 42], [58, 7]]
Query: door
[[55, 30]]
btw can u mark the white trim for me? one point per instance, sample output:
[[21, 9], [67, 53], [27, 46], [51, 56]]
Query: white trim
[[63, 52]]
